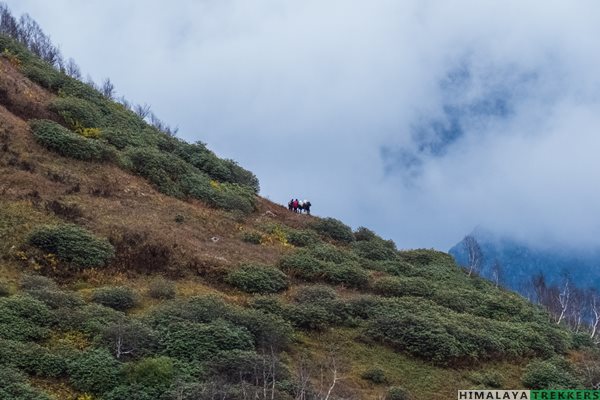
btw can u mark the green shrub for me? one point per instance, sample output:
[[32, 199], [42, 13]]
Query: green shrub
[[128, 338], [195, 342], [364, 234], [395, 286], [91, 319], [117, 297], [269, 331], [161, 288], [376, 249], [268, 304], [549, 374], [334, 229], [349, 274], [330, 253], [14, 385], [4, 289], [315, 294], [122, 138], [489, 379], [424, 257], [36, 282], [397, 393], [56, 299], [152, 372], [375, 375], [303, 238], [303, 265], [252, 237], [31, 358], [395, 267], [310, 316], [77, 113], [66, 143], [258, 279], [24, 318], [94, 371], [73, 245]]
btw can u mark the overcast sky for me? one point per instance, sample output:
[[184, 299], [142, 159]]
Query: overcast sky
[[419, 119]]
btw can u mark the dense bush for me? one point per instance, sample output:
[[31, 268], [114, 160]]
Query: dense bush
[[161, 288], [268, 304], [4, 289], [155, 372], [14, 385], [24, 318], [375, 375], [311, 316], [91, 319], [36, 282], [73, 245], [257, 279], [197, 341], [31, 358], [128, 338], [77, 113], [375, 249], [252, 237], [397, 393], [364, 234], [302, 238], [94, 371], [303, 265], [424, 257], [334, 229], [489, 379], [123, 138], [348, 274], [315, 294], [118, 297], [57, 299], [396, 286], [331, 253], [61, 140], [549, 374]]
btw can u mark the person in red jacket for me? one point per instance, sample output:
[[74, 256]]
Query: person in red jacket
[[295, 205]]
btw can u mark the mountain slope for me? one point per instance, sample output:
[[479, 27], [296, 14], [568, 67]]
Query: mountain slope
[[135, 264]]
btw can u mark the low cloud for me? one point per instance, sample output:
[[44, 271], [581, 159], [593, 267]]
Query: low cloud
[[420, 119]]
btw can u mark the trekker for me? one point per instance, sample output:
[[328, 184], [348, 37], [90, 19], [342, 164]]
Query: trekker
[[307, 206], [291, 205], [295, 205]]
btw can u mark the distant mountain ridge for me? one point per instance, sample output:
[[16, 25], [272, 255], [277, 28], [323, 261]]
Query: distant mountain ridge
[[520, 261]]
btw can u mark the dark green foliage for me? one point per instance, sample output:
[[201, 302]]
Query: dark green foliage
[[334, 229], [426, 330], [397, 393], [310, 316], [91, 319], [424, 257], [375, 375], [133, 391], [395, 267], [161, 288], [489, 379], [252, 237], [303, 265], [118, 297], [73, 245], [94, 371], [4, 289], [331, 253], [364, 234], [31, 358], [66, 143], [155, 372], [269, 331], [375, 249], [57, 299], [257, 279], [36, 282], [268, 304], [303, 238], [76, 112], [315, 294], [396, 286], [549, 374], [24, 318], [128, 338], [348, 274], [198, 341], [14, 385]]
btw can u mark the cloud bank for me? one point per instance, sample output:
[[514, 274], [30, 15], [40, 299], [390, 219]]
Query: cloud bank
[[419, 119]]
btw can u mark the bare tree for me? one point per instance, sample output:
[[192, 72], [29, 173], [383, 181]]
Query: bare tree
[[564, 298], [72, 69], [162, 126], [497, 272], [474, 253], [8, 23], [577, 310], [108, 89], [594, 304], [142, 110]]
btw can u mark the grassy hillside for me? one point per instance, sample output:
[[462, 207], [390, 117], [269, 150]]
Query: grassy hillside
[[134, 265]]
